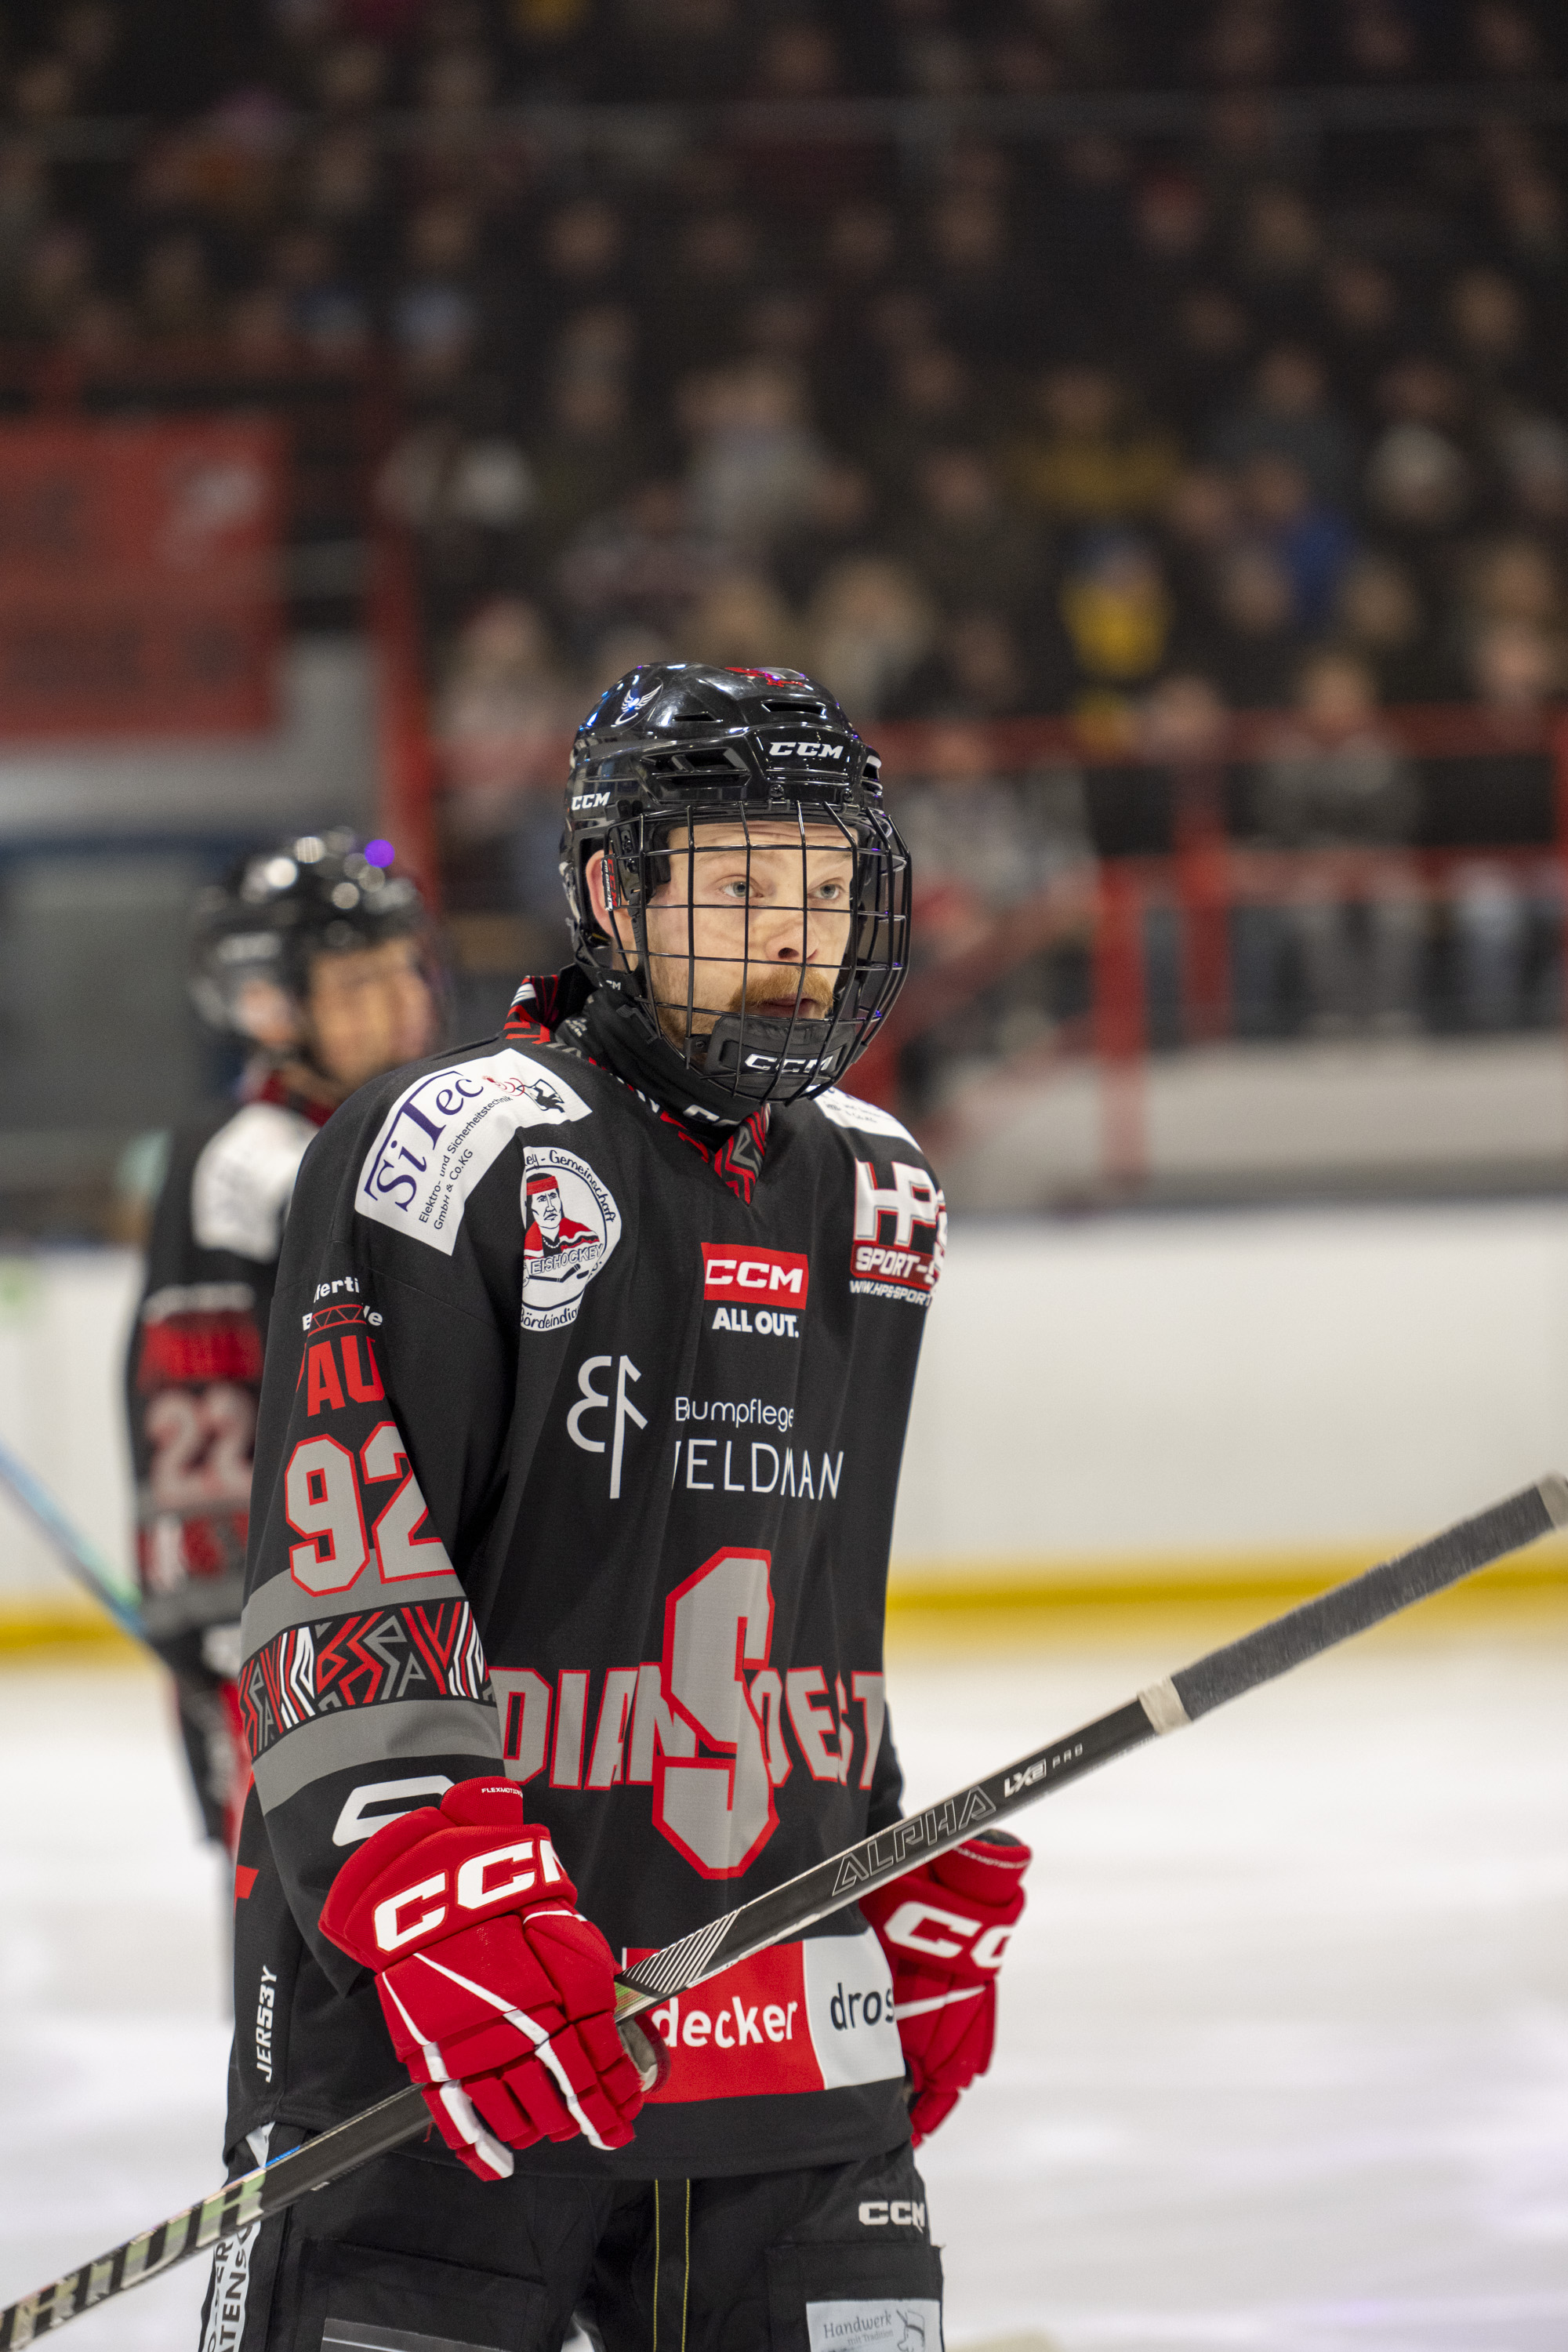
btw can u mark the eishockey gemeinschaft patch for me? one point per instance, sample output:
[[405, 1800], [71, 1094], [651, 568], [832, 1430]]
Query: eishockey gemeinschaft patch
[[571, 1223]]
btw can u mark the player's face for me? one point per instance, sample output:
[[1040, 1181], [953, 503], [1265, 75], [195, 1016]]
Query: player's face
[[368, 1009], [759, 925]]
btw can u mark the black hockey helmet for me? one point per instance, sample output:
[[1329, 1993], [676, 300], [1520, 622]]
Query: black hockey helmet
[[314, 894], [681, 753]]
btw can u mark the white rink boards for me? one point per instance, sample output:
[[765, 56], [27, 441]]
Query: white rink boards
[[1229, 1396], [1284, 2059]]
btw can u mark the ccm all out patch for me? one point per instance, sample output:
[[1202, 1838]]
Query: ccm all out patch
[[760, 1292]]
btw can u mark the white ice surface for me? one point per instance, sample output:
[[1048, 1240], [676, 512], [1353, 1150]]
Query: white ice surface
[[1283, 2064], [114, 2038], [1284, 2055]]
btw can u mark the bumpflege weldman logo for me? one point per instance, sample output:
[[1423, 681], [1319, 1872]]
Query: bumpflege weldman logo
[[570, 1225]]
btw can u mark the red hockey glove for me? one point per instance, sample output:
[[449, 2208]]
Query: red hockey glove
[[944, 1927], [499, 1997]]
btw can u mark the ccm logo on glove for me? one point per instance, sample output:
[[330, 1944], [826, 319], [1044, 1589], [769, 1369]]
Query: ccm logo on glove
[[944, 1928], [483, 1880], [499, 1995], [943, 1934]]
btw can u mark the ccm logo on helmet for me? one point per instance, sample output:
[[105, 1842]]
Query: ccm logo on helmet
[[806, 750], [941, 1935], [483, 1879], [591, 800], [732, 1272]]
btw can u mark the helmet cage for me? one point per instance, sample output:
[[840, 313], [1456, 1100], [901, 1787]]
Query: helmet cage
[[680, 760], [753, 1055]]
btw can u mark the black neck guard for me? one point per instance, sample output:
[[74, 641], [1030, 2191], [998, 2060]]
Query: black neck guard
[[617, 1034]]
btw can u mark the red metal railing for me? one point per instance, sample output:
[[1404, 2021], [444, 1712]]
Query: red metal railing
[[339, 423], [1103, 906], [1203, 880], [342, 423]]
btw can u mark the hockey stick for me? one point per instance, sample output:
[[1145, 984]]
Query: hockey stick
[[82, 1559], [1166, 1706]]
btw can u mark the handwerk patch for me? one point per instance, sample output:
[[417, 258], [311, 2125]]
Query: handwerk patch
[[863, 1118]]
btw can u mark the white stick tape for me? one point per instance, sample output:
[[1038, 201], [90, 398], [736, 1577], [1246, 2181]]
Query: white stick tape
[[1162, 1706]]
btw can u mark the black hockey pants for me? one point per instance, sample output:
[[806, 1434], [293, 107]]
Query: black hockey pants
[[411, 2254]]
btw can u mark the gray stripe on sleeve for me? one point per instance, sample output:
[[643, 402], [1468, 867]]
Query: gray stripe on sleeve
[[399, 1731], [276, 1606]]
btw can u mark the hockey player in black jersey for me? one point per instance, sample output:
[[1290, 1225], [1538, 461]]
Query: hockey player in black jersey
[[592, 1357], [315, 955]]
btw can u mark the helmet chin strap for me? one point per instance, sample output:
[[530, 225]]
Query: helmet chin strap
[[758, 1050], [741, 1068]]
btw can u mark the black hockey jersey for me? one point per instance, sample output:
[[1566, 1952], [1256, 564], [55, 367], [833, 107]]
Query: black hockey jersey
[[577, 1460], [193, 1370]]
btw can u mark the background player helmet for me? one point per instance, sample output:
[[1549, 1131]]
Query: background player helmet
[[679, 744], [316, 894]]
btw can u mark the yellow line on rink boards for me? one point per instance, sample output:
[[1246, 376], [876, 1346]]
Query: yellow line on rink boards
[[1056, 1599], [27, 1626], [980, 1602]]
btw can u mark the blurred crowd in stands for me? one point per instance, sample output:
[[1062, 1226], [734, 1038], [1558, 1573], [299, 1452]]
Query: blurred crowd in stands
[[1137, 430]]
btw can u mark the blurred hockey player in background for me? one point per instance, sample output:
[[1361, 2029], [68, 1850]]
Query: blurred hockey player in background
[[318, 957], [575, 1479]]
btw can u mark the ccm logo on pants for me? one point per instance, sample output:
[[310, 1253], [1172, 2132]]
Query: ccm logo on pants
[[876, 2212], [483, 1879]]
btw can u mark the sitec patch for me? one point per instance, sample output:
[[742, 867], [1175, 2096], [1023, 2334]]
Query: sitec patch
[[760, 1277]]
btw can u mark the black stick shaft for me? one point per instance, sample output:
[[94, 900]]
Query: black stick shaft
[[1258, 1658], [1225, 1674]]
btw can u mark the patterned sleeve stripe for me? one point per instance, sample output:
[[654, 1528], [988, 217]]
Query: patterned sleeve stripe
[[431, 1732], [428, 1650], [278, 1606]]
